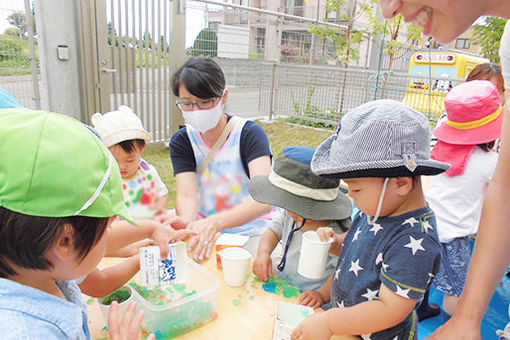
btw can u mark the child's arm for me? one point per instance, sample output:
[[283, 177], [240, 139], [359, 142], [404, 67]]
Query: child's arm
[[315, 298], [325, 233], [100, 283], [162, 203], [131, 249], [122, 233], [263, 266], [363, 318]]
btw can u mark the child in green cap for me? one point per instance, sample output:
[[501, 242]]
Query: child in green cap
[[54, 221]]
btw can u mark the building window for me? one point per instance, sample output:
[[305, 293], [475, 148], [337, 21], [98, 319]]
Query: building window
[[462, 43]]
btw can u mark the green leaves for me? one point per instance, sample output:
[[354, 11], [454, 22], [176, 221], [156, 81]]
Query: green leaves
[[487, 35]]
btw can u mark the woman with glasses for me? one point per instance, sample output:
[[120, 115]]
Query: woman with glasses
[[212, 191]]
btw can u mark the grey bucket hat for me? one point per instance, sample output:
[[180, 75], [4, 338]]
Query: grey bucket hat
[[381, 138], [293, 186]]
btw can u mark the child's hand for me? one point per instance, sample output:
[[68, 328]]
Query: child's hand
[[163, 234], [129, 328], [314, 327], [176, 222], [325, 233], [311, 298], [263, 267]]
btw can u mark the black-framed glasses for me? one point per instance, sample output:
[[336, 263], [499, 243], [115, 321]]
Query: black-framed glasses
[[205, 104], [281, 265]]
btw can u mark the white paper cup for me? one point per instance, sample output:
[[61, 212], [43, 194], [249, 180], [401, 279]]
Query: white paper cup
[[122, 305], [236, 263], [313, 255]]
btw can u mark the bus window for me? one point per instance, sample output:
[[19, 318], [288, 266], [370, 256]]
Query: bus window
[[442, 71]]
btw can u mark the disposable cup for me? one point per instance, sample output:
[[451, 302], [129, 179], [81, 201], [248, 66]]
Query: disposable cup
[[104, 303], [236, 263], [313, 255]]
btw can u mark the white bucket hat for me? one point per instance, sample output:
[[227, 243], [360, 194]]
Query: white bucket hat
[[118, 126], [381, 138]]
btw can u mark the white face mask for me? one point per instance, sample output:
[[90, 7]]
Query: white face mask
[[203, 120]]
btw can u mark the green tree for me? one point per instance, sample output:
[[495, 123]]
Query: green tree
[[18, 20], [390, 30], [487, 34], [345, 41], [205, 44]]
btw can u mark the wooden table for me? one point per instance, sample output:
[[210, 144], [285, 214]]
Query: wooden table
[[253, 318]]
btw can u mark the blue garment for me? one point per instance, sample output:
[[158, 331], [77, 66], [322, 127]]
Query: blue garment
[[253, 144], [7, 101], [29, 313], [455, 258], [402, 252]]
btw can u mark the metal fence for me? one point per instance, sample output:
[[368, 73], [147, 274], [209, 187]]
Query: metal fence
[[17, 48], [324, 94]]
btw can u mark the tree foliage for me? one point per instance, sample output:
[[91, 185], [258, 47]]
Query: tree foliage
[[206, 44], [345, 40], [389, 29], [18, 20], [488, 34]]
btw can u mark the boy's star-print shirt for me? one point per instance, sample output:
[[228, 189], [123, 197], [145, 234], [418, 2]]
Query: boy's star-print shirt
[[142, 191], [402, 252]]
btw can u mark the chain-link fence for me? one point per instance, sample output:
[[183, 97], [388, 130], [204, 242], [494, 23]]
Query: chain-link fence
[[324, 94], [15, 52]]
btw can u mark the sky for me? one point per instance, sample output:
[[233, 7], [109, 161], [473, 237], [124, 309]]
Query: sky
[[195, 19]]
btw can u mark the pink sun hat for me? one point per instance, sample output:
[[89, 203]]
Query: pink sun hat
[[473, 114]]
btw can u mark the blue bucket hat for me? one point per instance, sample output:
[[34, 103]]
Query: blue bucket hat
[[381, 138], [293, 186]]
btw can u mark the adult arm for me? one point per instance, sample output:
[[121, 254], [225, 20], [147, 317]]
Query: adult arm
[[491, 254], [100, 283], [186, 199]]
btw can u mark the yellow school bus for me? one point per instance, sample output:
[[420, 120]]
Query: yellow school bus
[[436, 73]]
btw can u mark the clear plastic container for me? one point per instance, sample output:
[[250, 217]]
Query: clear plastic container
[[176, 309]]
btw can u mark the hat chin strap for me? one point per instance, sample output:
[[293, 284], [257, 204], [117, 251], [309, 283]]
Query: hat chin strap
[[95, 195], [379, 204]]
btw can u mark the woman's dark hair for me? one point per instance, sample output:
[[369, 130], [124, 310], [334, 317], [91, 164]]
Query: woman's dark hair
[[25, 239], [202, 77], [487, 146]]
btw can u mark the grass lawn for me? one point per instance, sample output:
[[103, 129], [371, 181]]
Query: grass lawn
[[280, 133]]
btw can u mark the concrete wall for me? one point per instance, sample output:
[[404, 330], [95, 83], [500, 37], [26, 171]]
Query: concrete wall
[[56, 22]]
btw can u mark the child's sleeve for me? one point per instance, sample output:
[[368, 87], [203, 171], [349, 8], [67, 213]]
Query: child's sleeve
[[161, 189], [278, 222], [410, 263]]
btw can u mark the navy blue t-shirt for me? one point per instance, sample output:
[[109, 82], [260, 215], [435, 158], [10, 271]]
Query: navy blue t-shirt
[[402, 252], [253, 144]]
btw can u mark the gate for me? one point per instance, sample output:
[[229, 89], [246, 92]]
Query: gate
[[126, 59]]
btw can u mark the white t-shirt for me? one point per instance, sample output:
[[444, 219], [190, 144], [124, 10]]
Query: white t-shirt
[[457, 201], [504, 54]]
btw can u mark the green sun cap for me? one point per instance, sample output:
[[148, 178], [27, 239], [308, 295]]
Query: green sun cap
[[52, 165]]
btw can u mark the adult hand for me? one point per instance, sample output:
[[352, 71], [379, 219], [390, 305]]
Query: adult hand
[[163, 234], [263, 267], [458, 327], [314, 327], [201, 244], [129, 327], [311, 298]]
